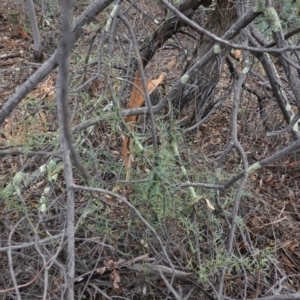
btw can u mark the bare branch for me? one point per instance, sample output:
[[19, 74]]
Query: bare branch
[[48, 66], [30, 244], [223, 40], [264, 162], [35, 32], [179, 85], [124, 200]]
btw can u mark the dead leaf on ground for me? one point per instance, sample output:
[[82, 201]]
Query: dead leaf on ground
[[115, 276], [287, 261], [290, 245]]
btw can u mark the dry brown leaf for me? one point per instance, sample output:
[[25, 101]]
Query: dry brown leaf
[[242, 246], [237, 54], [115, 276], [110, 264], [256, 221], [23, 34], [101, 270], [290, 245], [287, 261], [270, 177]]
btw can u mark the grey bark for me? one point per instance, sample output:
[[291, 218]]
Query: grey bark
[[47, 67], [38, 56]]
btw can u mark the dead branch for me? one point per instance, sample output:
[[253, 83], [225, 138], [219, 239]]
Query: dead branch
[[47, 67]]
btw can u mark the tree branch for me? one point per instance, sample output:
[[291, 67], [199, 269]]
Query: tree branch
[[48, 66]]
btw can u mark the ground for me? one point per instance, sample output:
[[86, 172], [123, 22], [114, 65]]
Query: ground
[[266, 255]]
